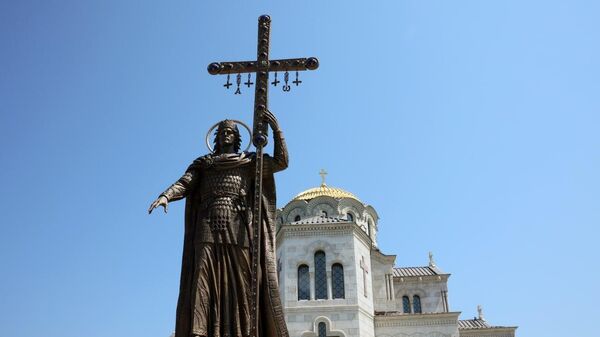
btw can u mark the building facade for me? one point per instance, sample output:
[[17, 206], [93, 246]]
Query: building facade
[[336, 282]]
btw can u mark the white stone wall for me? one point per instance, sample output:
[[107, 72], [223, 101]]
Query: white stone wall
[[363, 215], [340, 321], [342, 243], [428, 288], [297, 245], [347, 243], [362, 254], [383, 284]]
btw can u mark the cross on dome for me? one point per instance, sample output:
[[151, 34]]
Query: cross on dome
[[323, 173], [324, 190]]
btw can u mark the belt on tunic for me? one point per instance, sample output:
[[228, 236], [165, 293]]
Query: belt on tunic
[[222, 210]]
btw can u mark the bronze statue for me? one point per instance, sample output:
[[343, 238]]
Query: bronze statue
[[215, 295], [228, 279]]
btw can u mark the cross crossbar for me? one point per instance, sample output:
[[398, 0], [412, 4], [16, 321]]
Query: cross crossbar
[[299, 64]]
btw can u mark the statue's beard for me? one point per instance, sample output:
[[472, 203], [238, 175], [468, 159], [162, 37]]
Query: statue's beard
[[221, 146]]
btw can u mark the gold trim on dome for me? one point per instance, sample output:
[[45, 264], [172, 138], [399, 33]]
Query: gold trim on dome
[[325, 191]]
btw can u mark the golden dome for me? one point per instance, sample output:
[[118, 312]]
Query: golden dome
[[326, 191]]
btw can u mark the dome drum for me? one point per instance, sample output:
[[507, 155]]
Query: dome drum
[[330, 203]]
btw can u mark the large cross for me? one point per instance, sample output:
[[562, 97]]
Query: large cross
[[365, 269], [262, 66]]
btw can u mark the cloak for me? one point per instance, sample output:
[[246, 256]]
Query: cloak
[[271, 318]]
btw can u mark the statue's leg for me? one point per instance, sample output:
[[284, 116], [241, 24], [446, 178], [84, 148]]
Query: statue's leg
[[205, 290], [238, 272], [221, 295]]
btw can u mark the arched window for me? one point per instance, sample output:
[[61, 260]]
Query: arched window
[[350, 217], [322, 329], [320, 276], [297, 218], [416, 304], [337, 281], [405, 304], [324, 214], [369, 228], [303, 283]]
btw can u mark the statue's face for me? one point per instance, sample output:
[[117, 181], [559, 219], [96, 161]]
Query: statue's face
[[226, 136]]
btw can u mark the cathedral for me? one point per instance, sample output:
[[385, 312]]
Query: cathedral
[[336, 282]]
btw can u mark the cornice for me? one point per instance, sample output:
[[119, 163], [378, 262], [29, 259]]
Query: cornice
[[322, 229], [494, 329], [328, 308], [377, 255], [419, 279], [324, 308], [489, 332], [429, 319]]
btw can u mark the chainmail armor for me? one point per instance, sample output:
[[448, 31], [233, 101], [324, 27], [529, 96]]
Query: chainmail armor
[[223, 194]]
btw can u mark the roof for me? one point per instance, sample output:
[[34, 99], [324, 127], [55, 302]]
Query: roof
[[325, 190], [478, 323], [318, 219], [475, 323], [417, 271]]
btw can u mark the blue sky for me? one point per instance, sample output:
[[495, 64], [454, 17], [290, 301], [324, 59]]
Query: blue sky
[[471, 127]]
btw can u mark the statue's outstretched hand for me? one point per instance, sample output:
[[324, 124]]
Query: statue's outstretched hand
[[270, 118], [161, 201]]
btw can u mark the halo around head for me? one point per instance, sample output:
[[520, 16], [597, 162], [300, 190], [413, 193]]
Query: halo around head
[[207, 138]]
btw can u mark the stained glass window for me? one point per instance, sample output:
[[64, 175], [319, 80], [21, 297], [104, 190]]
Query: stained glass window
[[322, 329], [303, 283], [416, 304], [337, 280], [320, 276], [406, 304]]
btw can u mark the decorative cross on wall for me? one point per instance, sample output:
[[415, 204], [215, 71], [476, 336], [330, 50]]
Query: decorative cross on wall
[[365, 269], [278, 269]]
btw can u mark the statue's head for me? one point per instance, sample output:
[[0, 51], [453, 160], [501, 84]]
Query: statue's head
[[227, 134]]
